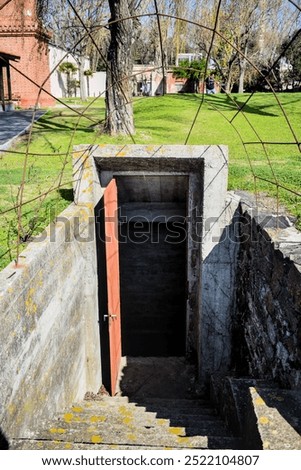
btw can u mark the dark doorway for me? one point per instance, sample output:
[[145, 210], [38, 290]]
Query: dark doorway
[[153, 266]]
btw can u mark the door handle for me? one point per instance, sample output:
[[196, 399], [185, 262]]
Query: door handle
[[109, 316]]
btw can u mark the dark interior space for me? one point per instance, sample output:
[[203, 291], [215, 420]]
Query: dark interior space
[[102, 293], [153, 266], [153, 300]]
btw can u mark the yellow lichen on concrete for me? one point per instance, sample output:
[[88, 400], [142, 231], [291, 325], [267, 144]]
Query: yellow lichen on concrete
[[264, 420], [127, 421], [40, 280], [132, 437], [96, 439], [162, 422], [77, 155], [183, 440], [57, 431], [124, 411], [98, 419], [30, 306], [259, 401], [68, 417], [176, 431], [68, 446], [86, 162], [77, 409], [11, 409]]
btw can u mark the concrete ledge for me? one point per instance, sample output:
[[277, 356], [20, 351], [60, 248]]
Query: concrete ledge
[[278, 418], [264, 416]]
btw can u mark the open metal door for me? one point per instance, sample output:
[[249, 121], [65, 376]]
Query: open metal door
[[113, 282]]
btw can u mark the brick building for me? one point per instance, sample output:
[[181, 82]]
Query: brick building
[[22, 35]]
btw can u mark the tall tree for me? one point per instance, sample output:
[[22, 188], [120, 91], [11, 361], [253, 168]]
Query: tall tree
[[248, 32], [123, 29]]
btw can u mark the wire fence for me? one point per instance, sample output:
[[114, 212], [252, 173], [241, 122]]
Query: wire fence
[[36, 174]]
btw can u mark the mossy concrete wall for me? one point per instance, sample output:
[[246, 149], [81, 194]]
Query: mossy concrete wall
[[49, 323]]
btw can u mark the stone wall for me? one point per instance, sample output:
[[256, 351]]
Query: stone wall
[[49, 324], [267, 323]]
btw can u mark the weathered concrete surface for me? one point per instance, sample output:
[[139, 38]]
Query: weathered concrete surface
[[268, 311], [219, 273], [278, 418], [48, 322]]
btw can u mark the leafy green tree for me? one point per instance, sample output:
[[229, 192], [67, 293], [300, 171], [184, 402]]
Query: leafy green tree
[[192, 71], [88, 73], [69, 69]]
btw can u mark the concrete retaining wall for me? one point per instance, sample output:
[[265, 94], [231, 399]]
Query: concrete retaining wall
[[48, 323]]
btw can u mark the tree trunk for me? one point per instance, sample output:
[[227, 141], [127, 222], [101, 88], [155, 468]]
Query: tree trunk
[[242, 71], [68, 84], [119, 109], [228, 84], [82, 81], [88, 85]]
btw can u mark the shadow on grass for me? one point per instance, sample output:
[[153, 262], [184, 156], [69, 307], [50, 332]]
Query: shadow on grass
[[230, 103], [51, 126]]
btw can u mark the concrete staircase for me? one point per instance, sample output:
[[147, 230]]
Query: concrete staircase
[[117, 423]]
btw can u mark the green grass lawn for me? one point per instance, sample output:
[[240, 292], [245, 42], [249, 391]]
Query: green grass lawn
[[158, 120]]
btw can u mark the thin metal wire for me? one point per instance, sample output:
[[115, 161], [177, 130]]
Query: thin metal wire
[[58, 182], [161, 46], [206, 68]]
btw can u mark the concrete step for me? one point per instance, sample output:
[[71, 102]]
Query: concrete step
[[21, 444], [165, 411], [60, 427], [103, 414], [117, 423], [176, 402], [209, 428], [191, 420], [98, 423], [55, 445], [104, 404], [170, 437]]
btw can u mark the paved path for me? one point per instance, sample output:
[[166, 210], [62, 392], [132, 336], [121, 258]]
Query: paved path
[[14, 123]]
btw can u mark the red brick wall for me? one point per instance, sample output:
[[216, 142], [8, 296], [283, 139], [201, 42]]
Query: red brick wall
[[21, 34]]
